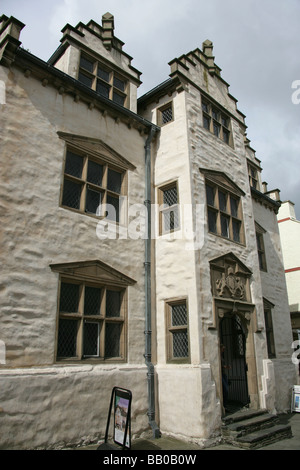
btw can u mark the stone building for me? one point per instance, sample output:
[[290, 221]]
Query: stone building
[[136, 239], [289, 229]]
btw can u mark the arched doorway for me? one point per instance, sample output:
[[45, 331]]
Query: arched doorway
[[233, 339]]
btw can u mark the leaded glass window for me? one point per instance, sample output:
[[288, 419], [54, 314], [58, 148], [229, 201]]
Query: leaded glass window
[[91, 320], [91, 187], [177, 333]]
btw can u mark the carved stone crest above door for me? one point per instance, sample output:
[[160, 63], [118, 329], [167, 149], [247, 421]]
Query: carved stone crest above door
[[230, 278]]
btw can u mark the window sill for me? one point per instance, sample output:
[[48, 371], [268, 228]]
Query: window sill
[[93, 216], [228, 239], [89, 361], [230, 145]]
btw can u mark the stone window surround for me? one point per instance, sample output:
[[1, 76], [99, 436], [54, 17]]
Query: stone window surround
[[268, 306], [162, 120], [164, 209], [98, 152], [85, 184], [94, 273], [253, 176], [217, 122], [226, 214], [171, 330], [260, 231], [101, 320]]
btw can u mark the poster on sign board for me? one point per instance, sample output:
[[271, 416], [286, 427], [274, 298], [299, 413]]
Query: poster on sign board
[[122, 405]]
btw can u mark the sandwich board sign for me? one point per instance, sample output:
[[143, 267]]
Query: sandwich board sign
[[120, 404]]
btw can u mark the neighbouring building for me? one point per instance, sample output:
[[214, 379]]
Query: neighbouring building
[[136, 239], [289, 229]]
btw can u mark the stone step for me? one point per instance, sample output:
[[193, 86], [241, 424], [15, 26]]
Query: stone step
[[264, 437], [243, 415], [252, 429], [249, 425]]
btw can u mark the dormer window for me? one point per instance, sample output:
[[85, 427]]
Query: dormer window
[[103, 80], [216, 122]]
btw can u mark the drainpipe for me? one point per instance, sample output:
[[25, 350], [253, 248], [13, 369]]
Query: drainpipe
[[150, 374]]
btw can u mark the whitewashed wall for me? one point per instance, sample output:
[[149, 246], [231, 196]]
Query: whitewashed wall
[[43, 404]]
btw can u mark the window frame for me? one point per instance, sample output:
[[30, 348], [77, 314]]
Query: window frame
[[173, 329], [160, 116], [165, 209], [223, 218], [215, 121], [86, 185], [270, 338], [253, 176], [102, 320], [109, 82], [261, 251]]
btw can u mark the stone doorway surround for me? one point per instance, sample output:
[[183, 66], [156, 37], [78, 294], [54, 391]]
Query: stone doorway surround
[[230, 282]]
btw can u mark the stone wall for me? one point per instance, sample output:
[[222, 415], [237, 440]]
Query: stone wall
[[65, 406], [44, 404]]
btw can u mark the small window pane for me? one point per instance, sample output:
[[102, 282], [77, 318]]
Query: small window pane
[[69, 297], [114, 181], [270, 334], [179, 315], [259, 241], [67, 338], [234, 207], [103, 89], [171, 219], [104, 74], [118, 83], [180, 344], [91, 339], [113, 303], [216, 129], [74, 164], [92, 300], [112, 339], [71, 194], [215, 114], [225, 136], [95, 173], [212, 221], [170, 196], [119, 99], [210, 195], [86, 64], [205, 107], [93, 202], [224, 226], [113, 208], [224, 121], [236, 228], [167, 114], [222, 201], [83, 78], [206, 122]]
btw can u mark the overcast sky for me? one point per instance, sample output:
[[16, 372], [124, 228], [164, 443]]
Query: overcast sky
[[256, 44]]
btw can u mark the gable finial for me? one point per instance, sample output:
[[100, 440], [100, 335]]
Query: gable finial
[[108, 29], [207, 48]]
